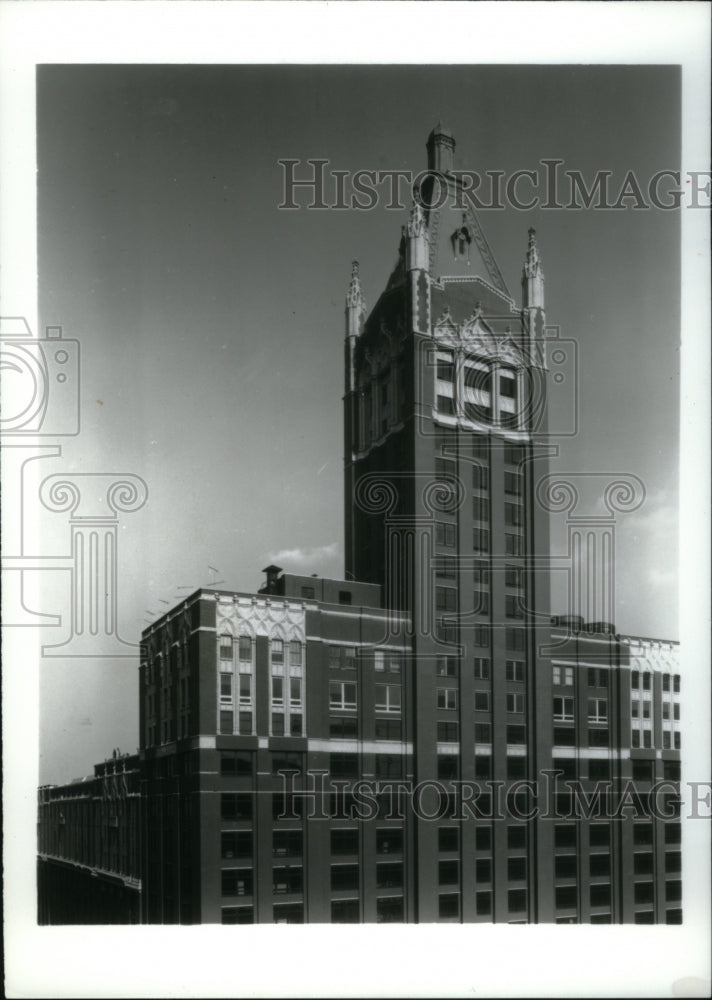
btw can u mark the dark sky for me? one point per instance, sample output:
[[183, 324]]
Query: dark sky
[[211, 322]]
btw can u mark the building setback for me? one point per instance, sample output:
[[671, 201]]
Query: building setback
[[372, 749]]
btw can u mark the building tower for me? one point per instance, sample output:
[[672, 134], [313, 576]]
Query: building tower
[[445, 409]]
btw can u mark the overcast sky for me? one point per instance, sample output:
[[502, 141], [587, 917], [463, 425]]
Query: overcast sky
[[211, 322]]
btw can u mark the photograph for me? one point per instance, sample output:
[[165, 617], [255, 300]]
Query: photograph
[[345, 466]]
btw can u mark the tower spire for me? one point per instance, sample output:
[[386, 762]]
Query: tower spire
[[532, 276]]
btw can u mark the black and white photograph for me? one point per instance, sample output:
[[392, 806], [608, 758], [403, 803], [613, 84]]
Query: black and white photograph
[[355, 453]]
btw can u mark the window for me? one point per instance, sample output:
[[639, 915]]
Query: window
[[447, 767], [635, 739], [480, 635], [514, 454], [677, 741], [344, 877], [482, 668], [483, 869], [516, 869], [666, 682], [388, 698], [226, 686], [516, 767], [483, 732], [673, 861], [447, 698], [447, 732], [446, 666], [227, 721], [564, 709], [307, 593], [342, 696], [345, 911], [286, 760], [671, 770], [236, 762], [286, 879], [513, 482], [599, 835], [598, 737], [448, 904], [513, 545], [236, 882], [676, 683], [389, 910], [277, 651], [599, 864], [516, 837], [483, 767], [344, 597], [513, 576], [515, 639], [445, 599], [448, 839], [565, 866], [514, 670], [516, 734], [448, 873], [517, 900], [635, 708], [389, 765], [642, 833], [236, 805], [513, 514], [515, 703], [598, 710], [643, 864], [513, 606], [237, 915], [287, 843], [445, 632], [236, 845], [567, 765], [565, 835], [482, 701], [389, 875], [245, 690], [344, 765], [445, 534], [480, 540], [646, 681], [445, 368], [647, 739], [599, 770], [225, 647], [563, 675], [643, 770], [676, 711], [673, 833], [343, 727], [389, 841], [480, 509], [446, 567], [388, 729], [635, 678], [600, 895], [344, 841], [483, 836], [480, 477], [277, 692], [673, 892], [646, 709], [566, 897], [483, 903]]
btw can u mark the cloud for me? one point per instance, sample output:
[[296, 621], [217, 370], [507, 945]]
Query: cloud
[[305, 557]]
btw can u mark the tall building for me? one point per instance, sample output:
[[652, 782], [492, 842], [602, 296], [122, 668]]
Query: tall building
[[421, 741]]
